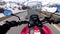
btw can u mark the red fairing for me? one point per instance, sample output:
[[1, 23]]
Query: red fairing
[[25, 30], [36, 29], [46, 30]]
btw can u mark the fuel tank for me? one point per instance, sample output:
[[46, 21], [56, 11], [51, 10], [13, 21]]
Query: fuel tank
[[37, 30]]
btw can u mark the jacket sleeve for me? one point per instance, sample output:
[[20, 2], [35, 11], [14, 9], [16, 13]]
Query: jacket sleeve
[[4, 28]]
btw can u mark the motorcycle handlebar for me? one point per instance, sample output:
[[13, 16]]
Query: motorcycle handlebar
[[49, 20], [15, 23], [56, 21]]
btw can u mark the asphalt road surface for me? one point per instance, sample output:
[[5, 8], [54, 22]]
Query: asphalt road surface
[[17, 30]]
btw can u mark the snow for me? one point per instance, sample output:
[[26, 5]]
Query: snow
[[52, 10], [44, 2]]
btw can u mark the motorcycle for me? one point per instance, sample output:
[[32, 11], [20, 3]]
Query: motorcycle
[[35, 24]]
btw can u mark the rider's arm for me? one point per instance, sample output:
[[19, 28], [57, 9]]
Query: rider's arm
[[5, 27]]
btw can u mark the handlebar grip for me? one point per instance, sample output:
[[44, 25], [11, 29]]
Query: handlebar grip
[[56, 21], [12, 23], [24, 22], [15, 23]]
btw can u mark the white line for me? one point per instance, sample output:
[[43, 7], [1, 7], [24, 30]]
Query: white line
[[56, 27]]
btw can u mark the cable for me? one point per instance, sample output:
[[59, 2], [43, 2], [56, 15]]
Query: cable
[[16, 16]]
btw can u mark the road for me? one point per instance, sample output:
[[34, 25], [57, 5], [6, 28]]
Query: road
[[17, 30]]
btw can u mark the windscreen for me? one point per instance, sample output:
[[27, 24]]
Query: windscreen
[[35, 8]]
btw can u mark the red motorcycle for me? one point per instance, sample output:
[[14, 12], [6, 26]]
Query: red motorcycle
[[35, 24]]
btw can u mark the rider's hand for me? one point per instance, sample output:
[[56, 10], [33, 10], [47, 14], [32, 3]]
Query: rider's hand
[[12, 23], [5, 27], [50, 20]]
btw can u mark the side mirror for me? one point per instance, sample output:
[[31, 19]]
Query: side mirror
[[58, 9], [7, 12]]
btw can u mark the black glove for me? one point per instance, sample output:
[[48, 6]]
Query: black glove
[[5, 27], [12, 23]]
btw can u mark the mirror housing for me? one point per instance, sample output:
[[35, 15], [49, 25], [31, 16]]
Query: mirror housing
[[7, 12]]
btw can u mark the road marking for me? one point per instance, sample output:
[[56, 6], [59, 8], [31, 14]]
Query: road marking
[[58, 28]]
